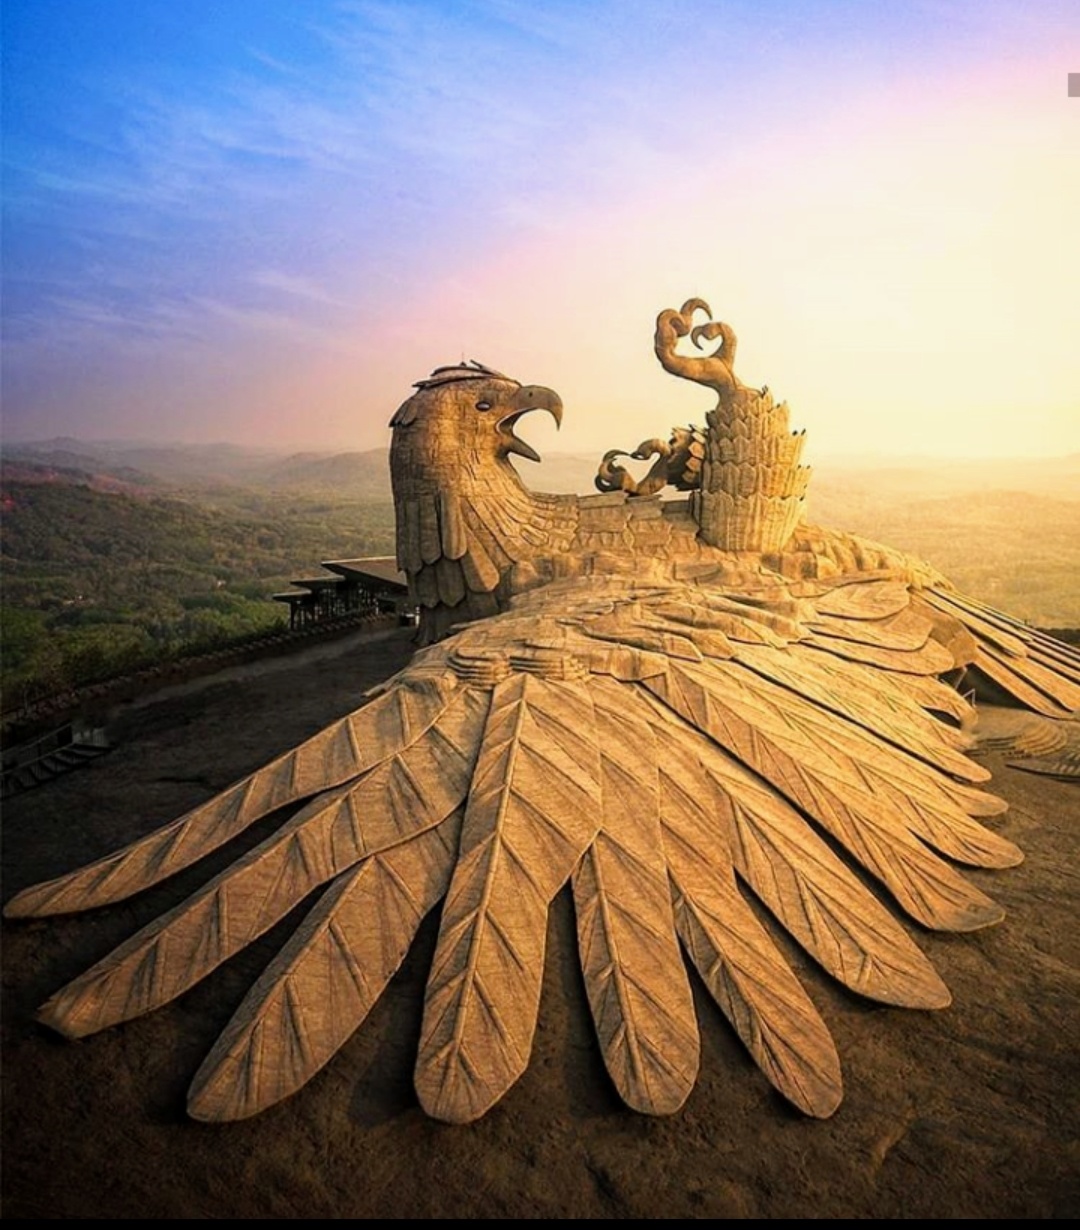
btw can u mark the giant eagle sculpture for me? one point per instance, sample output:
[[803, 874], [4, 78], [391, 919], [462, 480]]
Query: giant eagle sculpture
[[673, 707]]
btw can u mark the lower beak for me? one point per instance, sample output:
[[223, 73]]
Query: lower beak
[[528, 398]]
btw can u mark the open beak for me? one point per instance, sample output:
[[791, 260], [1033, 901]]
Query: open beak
[[529, 397]]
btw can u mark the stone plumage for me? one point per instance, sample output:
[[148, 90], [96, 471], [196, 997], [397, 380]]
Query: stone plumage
[[668, 717]]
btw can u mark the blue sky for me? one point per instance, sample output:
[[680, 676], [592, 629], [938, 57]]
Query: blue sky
[[262, 221]]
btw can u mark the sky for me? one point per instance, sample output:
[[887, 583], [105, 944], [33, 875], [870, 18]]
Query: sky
[[260, 220]]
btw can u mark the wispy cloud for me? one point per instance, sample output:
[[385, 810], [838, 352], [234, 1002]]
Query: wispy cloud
[[506, 174], [299, 286]]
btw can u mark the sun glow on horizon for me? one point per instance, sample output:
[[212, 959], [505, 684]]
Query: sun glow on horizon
[[271, 243]]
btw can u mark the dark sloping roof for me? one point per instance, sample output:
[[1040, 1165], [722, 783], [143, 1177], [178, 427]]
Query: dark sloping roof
[[381, 568]]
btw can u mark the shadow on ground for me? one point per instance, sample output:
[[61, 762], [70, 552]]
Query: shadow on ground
[[971, 1112]]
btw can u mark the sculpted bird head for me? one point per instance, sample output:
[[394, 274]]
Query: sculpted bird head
[[465, 520], [456, 432]]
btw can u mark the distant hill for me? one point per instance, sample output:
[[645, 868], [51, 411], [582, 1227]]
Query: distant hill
[[1014, 549], [863, 478], [1008, 531], [927, 477], [97, 582], [204, 467], [184, 465], [81, 471], [358, 475]]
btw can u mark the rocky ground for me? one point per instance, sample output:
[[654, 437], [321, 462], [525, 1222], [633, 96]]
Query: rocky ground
[[971, 1112]]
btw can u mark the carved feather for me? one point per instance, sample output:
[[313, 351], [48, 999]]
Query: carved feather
[[481, 574], [791, 870], [883, 710], [405, 795], [936, 698], [857, 597], [1028, 681], [319, 989], [451, 581], [408, 535], [929, 659], [533, 809], [753, 985], [906, 630], [806, 754], [1043, 674], [428, 534], [452, 526], [345, 749], [634, 975]]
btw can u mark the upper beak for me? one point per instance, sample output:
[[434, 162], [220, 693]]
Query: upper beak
[[528, 397]]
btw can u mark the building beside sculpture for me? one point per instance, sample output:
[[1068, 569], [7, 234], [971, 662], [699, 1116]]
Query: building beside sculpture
[[370, 586]]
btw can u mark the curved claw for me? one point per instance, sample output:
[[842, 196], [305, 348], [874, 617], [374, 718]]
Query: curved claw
[[709, 332], [612, 477], [651, 448], [716, 370], [695, 305]]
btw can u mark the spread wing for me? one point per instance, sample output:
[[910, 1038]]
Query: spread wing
[[684, 757]]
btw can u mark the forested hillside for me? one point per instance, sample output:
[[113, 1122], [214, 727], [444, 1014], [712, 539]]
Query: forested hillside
[[116, 557], [98, 582]]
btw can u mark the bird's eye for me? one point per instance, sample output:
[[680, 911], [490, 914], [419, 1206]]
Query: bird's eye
[[483, 404]]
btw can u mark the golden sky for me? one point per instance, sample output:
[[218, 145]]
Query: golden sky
[[263, 225]]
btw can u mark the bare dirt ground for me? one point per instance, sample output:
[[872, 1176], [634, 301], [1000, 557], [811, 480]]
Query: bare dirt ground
[[971, 1112]]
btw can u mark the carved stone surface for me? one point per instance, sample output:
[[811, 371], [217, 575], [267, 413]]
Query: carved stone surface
[[678, 463], [663, 723], [752, 488]]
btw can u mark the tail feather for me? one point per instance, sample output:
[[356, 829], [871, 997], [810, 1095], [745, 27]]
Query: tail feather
[[812, 767], [1042, 673], [1014, 676], [319, 989], [411, 792], [755, 988], [634, 976], [884, 710], [344, 750], [791, 870], [532, 812], [930, 659]]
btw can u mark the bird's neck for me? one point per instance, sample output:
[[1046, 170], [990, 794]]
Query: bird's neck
[[469, 541]]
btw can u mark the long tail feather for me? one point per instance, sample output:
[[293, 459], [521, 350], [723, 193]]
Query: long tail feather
[[344, 750], [1037, 670], [1026, 681], [811, 767], [874, 703], [319, 989], [735, 956], [533, 810], [410, 792], [756, 989], [634, 974], [930, 659], [817, 900]]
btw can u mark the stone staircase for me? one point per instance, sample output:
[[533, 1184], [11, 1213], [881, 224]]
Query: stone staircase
[[40, 760]]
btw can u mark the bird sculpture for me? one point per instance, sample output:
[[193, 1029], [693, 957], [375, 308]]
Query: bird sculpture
[[676, 707]]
